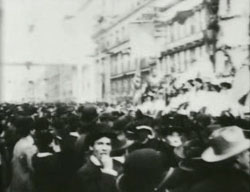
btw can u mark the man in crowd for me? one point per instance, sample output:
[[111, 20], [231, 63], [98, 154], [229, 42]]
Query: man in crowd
[[229, 157], [100, 171]]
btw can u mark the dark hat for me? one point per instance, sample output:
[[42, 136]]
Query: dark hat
[[191, 82], [199, 80], [174, 123], [144, 128], [63, 109], [100, 130], [88, 112], [226, 85], [41, 123], [59, 123], [121, 123], [217, 88], [107, 117], [190, 155], [120, 145], [22, 121], [190, 149], [43, 138], [143, 171]]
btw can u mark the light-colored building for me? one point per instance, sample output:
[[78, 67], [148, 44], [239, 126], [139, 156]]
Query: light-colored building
[[185, 25], [1, 68], [20, 82], [171, 35], [117, 58], [61, 83], [28, 82], [88, 86], [234, 35]]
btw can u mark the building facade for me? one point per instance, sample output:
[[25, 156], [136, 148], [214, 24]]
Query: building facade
[[170, 35], [61, 83], [185, 26], [116, 63]]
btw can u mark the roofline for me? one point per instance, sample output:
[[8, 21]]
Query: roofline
[[122, 19]]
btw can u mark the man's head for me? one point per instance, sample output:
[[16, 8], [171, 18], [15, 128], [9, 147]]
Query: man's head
[[143, 171], [101, 147], [99, 141], [229, 143], [23, 125], [242, 161]]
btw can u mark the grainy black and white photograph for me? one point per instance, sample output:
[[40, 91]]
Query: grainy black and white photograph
[[125, 95]]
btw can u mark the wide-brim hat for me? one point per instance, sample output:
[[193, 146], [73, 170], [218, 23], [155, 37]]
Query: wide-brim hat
[[120, 146], [144, 128], [225, 143]]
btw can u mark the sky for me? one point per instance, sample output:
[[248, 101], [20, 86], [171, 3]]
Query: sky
[[48, 31], [43, 32]]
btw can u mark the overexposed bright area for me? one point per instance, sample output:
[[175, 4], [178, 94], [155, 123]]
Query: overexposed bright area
[[41, 33]]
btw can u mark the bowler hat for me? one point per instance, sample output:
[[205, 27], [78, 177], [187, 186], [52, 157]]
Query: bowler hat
[[100, 130], [143, 169]]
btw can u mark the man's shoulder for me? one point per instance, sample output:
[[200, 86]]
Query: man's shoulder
[[88, 168]]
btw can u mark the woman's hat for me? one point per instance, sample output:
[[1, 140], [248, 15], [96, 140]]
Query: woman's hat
[[225, 143], [190, 155], [190, 150], [145, 128]]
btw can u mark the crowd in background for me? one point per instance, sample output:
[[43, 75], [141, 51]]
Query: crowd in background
[[101, 147], [190, 136]]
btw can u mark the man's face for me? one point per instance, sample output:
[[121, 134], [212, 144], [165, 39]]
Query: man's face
[[244, 161], [102, 147]]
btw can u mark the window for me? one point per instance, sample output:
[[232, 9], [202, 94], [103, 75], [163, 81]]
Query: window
[[197, 53], [192, 24], [176, 31], [167, 34], [115, 64], [188, 59], [171, 32], [172, 64], [188, 27], [203, 19], [168, 64], [197, 21], [123, 36], [182, 61], [117, 36], [118, 63], [203, 51], [112, 87]]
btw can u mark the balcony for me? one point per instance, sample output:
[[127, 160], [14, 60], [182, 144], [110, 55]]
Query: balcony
[[186, 40]]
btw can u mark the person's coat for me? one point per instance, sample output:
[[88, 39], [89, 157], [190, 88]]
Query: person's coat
[[223, 180], [22, 165], [90, 178]]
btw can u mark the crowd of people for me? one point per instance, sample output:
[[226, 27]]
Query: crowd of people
[[97, 147], [182, 136]]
